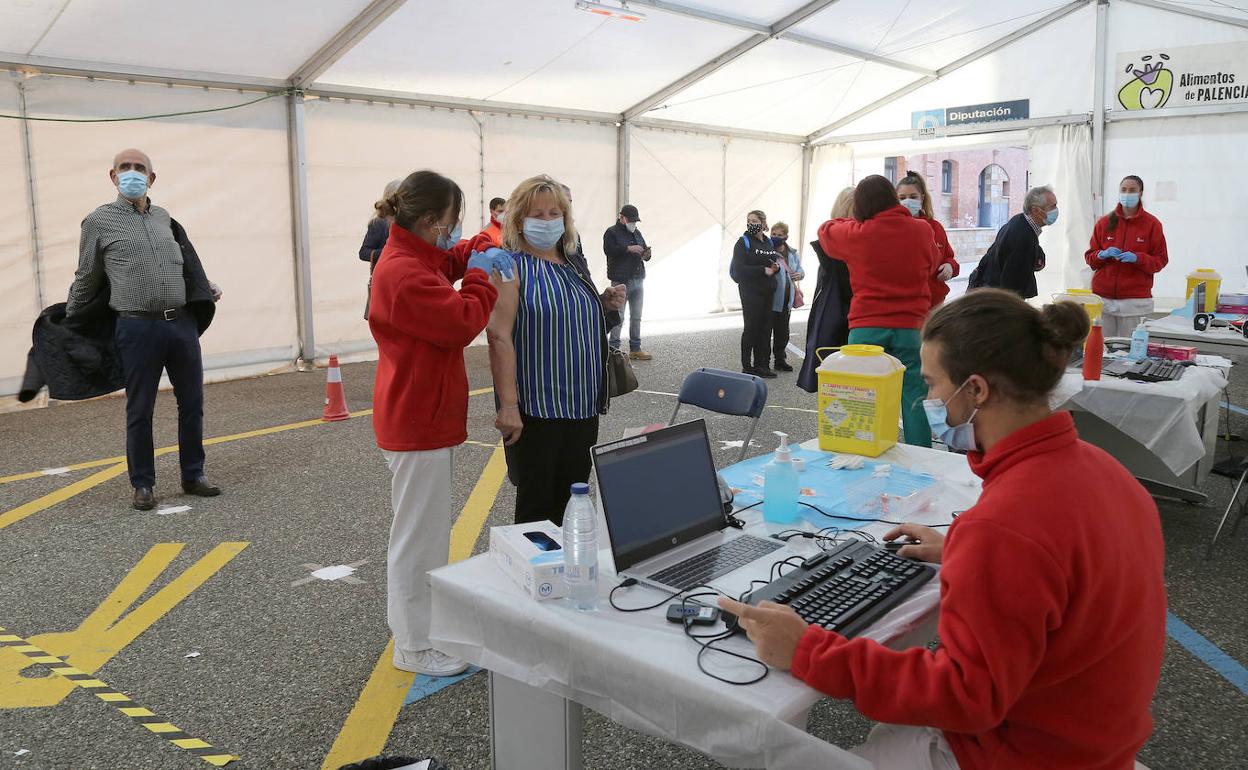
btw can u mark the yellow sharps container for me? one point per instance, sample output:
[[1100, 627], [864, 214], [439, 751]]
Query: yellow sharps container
[[859, 400], [1213, 283]]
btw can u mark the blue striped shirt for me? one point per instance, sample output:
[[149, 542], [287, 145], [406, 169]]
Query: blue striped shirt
[[559, 367]]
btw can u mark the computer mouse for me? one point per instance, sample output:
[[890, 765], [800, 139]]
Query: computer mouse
[[897, 545]]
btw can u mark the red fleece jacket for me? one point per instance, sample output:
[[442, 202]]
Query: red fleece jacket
[[1142, 235], [1052, 617], [944, 256], [422, 325], [892, 258]]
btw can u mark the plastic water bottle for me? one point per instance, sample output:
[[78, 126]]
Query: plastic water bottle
[[1139, 343], [580, 550], [780, 486]]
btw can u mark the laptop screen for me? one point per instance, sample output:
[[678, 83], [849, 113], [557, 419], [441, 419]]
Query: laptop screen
[[658, 490]]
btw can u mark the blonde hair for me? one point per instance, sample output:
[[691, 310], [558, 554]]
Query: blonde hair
[[518, 205], [780, 224], [387, 195], [844, 205]]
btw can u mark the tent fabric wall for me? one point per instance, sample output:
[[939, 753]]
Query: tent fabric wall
[[353, 150], [759, 175], [17, 274], [223, 175], [1061, 156], [1191, 168], [832, 170]]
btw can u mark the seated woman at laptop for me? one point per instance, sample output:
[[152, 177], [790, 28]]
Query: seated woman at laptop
[[1053, 603]]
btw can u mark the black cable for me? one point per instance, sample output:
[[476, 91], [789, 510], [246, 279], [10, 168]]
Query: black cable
[[870, 521], [709, 646]]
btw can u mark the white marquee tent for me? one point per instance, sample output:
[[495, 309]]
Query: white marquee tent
[[700, 112]]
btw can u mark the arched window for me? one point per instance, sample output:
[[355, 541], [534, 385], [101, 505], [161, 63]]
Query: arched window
[[946, 176], [994, 196]]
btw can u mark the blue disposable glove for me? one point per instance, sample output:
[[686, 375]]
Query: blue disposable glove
[[1105, 254], [503, 262], [480, 260], [1128, 257]]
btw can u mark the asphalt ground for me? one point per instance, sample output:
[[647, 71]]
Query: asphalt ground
[[281, 666]]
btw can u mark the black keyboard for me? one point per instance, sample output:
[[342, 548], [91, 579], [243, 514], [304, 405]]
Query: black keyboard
[[717, 562], [1153, 370], [847, 588]]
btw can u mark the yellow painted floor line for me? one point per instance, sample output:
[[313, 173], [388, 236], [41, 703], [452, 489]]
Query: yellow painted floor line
[[208, 441], [367, 728], [15, 515]]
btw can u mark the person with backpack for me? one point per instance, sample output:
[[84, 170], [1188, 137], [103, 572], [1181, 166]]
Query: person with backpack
[[755, 263]]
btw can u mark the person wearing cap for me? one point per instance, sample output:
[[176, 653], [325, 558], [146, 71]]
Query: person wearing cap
[[627, 254]]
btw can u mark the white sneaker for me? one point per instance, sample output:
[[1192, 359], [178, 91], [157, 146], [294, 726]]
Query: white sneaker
[[429, 662]]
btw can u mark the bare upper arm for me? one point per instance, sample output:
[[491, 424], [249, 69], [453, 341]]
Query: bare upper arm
[[503, 317]]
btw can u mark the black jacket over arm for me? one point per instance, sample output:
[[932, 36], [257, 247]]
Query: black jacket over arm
[[749, 264], [623, 266], [1012, 260], [76, 356]]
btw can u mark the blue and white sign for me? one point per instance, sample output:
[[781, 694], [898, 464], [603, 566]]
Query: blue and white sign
[[928, 123]]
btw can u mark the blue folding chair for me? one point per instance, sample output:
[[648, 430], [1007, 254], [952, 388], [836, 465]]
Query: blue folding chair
[[724, 392]]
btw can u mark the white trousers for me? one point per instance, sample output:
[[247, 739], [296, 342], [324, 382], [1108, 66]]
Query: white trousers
[[898, 747], [1120, 325], [420, 540]]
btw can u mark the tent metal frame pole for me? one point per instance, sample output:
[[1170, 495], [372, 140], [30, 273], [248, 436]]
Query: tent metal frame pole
[[347, 38], [1118, 116], [732, 22], [974, 56], [28, 166], [726, 58], [701, 128], [301, 239], [1098, 107], [723, 213], [808, 157], [1194, 13], [623, 163], [485, 216], [966, 129]]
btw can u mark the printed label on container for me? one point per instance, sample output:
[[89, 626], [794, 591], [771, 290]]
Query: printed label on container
[[850, 411]]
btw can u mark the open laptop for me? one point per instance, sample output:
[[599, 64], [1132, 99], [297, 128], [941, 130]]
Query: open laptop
[[660, 498]]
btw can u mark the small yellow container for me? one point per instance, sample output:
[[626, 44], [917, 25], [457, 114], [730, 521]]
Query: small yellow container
[[859, 400], [1092, 304], [1213, 283]]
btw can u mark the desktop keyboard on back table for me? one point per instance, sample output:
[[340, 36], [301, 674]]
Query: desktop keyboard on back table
[[847, 588], [717, 562], [1153, 370]]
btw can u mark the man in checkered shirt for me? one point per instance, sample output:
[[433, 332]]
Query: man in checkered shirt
[[129, 244]]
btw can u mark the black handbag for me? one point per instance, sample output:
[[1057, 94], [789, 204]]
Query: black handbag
[[620, 376]]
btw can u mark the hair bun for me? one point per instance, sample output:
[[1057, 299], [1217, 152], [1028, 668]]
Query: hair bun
[[1065, 324]]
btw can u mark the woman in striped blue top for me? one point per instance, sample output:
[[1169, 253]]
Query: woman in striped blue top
[[548, 351]]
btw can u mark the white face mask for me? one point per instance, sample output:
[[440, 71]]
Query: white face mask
[[960, 437]]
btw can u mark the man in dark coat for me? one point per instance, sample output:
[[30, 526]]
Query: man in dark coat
[[1015, 257], [627, 255]]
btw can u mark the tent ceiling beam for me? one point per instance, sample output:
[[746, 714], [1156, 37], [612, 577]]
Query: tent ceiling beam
[[453, 103], [699, 128], [43, 65], [1194, 12], [725, 58], [793, 37], [1118, 116], [969, 129], [1018, 34], [346, 39]]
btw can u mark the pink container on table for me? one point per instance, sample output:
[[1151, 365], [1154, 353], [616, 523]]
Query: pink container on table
[[1171, 352]]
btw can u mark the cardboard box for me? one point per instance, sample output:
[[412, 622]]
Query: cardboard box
[[1171, 352], [524, 552]]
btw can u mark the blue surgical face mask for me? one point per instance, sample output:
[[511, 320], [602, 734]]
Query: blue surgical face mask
[[913, 204], [1050, 217], [1129, 200], [777, 241], [960, 437], [543, 234], [447, 240], [132, 184]]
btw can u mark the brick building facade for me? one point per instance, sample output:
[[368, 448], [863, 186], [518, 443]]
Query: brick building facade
[[956, 180]]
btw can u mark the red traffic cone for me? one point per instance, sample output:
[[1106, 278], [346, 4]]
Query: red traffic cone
[[335, 400]]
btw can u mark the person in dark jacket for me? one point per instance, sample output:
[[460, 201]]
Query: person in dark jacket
[[375, 237], [130, 244], [827, 326], [783, 301], [627, 255], [754, 267], [1015, 257]]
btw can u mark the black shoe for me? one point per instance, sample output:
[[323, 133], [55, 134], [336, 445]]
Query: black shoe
[[200, 488], [782, 366], [763, 371], [144, 500]]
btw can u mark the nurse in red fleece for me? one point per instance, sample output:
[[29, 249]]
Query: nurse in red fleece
[[1052, 594], [1127, 249], [892, 259], [420, 401], [912, 193]]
